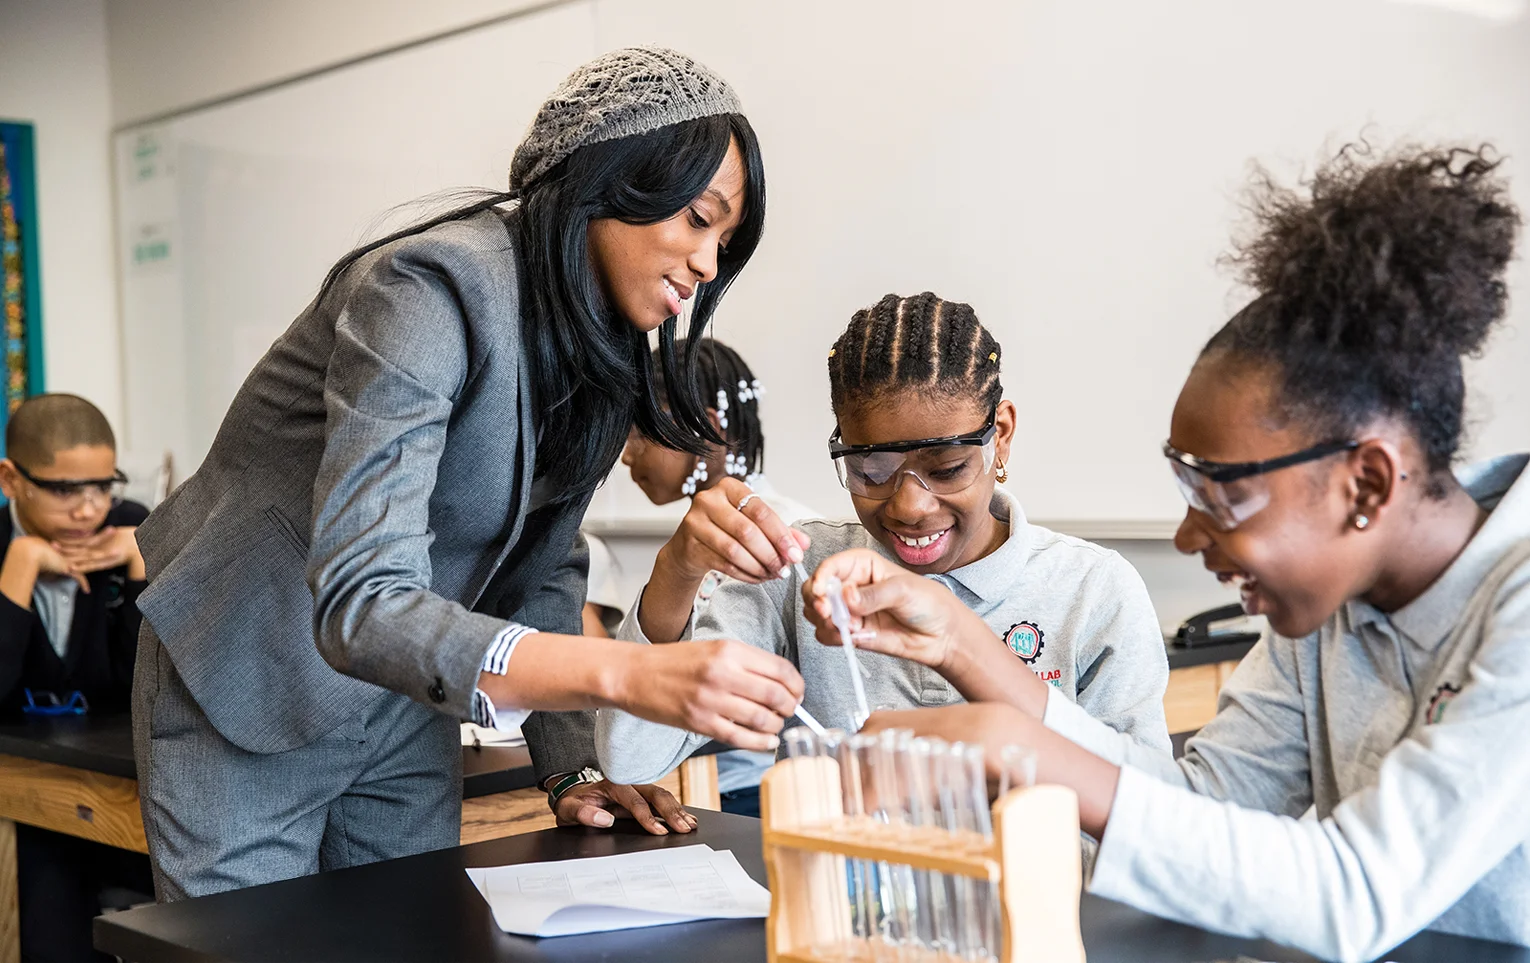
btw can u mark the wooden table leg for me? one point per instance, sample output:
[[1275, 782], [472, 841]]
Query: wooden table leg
[[10, 910], [698, 783]]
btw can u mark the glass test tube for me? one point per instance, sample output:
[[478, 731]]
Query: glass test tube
[[977, 786], [892, 751], [934, 923], [860, 875], [801, 743]]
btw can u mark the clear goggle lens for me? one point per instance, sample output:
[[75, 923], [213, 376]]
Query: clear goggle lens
[[942, 469], [1227, 504]]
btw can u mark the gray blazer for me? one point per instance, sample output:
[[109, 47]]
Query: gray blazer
[[365, 516]]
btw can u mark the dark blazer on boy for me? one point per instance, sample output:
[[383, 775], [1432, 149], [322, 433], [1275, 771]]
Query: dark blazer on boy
[[103, 637]]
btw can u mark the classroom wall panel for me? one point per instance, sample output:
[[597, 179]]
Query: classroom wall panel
[[1072, 170]]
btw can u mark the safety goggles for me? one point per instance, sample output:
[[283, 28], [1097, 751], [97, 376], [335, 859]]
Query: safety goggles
[[1230, 493], [49, 704], [74, 492], [944, 466]]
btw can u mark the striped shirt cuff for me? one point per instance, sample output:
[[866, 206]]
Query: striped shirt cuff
[[497, 660]]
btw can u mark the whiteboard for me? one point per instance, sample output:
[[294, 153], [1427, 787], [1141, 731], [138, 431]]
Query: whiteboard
[[1070, 169]]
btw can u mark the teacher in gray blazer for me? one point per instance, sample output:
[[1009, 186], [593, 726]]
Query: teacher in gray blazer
[[383, 538]]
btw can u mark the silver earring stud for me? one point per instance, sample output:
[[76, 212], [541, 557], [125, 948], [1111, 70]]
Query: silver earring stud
[[1362, 522]]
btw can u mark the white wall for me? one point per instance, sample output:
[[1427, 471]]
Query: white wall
[[169, 54], [53, 73]]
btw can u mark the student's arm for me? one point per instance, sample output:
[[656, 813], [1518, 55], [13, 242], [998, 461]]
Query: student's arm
[[16, 621], [399, 361], [1122, 669], [1447, 806], [632, 750]]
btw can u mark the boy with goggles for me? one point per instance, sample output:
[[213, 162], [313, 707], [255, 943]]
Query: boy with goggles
[[70, 576]]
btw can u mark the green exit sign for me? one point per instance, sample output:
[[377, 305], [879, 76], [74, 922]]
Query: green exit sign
[[147, 252]]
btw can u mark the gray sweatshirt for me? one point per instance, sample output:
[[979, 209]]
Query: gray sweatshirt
[[1357, 785], [1076, 613]]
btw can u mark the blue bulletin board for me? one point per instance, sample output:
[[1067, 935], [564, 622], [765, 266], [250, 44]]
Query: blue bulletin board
[[20, 282]]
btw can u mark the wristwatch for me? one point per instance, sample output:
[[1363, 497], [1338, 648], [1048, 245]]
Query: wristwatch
[[559, 785]]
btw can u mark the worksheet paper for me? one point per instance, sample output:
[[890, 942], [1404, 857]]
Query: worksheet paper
[[650, 888], [473, 735]]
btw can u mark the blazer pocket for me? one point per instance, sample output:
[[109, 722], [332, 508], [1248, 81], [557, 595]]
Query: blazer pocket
[[288, 530]]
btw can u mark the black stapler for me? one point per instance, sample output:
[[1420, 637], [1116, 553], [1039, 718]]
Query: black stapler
[[1197, 630]]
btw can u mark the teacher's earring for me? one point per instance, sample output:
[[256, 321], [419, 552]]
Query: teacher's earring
[[1362, 522], [697, 476], [1003, 473]]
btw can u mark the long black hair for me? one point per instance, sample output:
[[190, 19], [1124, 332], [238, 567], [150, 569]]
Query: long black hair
[[1372, 284], [593, 378]]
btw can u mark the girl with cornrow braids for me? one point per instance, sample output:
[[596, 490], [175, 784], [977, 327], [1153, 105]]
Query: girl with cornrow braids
[[732, 394], [923, 440], [1365, 776]]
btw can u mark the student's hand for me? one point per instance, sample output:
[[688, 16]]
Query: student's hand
[[751, 544], [895, 611], [992, 725], [111, 547], [600, 804], [725, 690], [48, 559]]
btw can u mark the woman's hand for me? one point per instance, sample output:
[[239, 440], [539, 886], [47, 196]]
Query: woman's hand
[[725, 690], [600, 804], [751, 544], [900, 613]]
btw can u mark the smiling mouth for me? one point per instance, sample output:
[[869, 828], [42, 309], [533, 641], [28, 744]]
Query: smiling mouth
[[1248, 589], [680, 294], [921, 541]]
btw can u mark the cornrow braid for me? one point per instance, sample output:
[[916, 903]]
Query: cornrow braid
[[725, 383], [921, 342]]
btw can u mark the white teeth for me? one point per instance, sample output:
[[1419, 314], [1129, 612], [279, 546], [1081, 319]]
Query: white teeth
[[920, 542], [672, 289]]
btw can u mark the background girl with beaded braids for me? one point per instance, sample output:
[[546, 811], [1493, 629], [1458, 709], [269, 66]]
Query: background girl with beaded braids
[[666, 475], [389, 512], [924, 437]]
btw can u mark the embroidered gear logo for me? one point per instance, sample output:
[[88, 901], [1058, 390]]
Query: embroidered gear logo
[[1442, 697], [1026, 640]]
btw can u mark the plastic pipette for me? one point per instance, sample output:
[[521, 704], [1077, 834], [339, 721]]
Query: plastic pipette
[[839, 614], [809, 721]]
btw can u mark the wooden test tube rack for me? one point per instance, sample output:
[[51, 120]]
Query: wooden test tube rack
[[1034, 858]]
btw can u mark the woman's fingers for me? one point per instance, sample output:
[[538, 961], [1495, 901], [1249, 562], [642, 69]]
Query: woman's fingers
[[633, 802], [722, 551], [663, 802]]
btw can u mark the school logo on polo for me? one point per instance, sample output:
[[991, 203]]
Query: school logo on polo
[[1442, 697], [1025, 639]]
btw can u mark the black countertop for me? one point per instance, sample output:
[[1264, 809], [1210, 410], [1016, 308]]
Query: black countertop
[[104, 744], [424, 908]]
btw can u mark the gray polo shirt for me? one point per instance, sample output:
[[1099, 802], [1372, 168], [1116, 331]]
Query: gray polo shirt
[[1076, 613], [1359, 784]]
